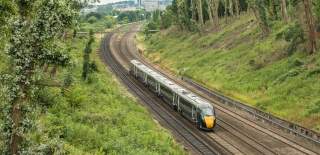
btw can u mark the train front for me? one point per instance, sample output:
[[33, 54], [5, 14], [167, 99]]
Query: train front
[[208, 119]]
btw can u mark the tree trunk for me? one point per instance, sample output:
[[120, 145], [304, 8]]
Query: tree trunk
[[264, 28], [193, 9], [226, 10], [311, 27], [216, 4], [16, 120], [200, 13], [53, 71], [210, 11], [237, 7], [231, 7], [284, 11], [16, 117]]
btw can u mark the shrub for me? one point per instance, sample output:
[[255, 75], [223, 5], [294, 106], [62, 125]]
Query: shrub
[[313, 108], [92, 19], [294, 35]]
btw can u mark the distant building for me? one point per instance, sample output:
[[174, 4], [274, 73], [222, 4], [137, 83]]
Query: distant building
[[152, 5], [89, 9]]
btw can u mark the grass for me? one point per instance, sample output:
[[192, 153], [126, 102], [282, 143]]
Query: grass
[[96, 117], [238, 62]]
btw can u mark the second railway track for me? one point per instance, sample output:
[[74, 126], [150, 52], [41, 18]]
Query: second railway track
[[198, 143], [239, 138]]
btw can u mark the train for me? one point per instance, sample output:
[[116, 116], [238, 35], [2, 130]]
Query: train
[[196, 109]]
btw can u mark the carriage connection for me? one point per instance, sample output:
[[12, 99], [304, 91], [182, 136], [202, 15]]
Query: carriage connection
[[191, 106]]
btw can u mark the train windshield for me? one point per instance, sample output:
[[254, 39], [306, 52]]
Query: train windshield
[[207, 112]]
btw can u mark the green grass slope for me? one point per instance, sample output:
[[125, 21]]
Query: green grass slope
[[238, 62], [96, 117]]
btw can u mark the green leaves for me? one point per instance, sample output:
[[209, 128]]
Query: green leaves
[[88, 67], [33, 43]]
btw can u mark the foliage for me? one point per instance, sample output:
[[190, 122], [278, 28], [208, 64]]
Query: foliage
[[149, 28], [167, 18], [130, 16], [104, 119], [92, 19], [239, 63], [34, 41], [88, 67], [294, 35], [97, 25], [96, 15]]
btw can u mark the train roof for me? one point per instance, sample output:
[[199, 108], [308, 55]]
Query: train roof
[[182, 92]]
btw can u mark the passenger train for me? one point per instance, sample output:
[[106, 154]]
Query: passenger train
[[191, 106]]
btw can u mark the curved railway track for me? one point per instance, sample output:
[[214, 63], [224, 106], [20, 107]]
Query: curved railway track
[[172, 120], [234, 134]]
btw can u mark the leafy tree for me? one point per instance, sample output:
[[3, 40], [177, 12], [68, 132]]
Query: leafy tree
[[167, 18], [110, 21], [93, 14], [87, 65], [312, 37], [92, 20], [36, 40]]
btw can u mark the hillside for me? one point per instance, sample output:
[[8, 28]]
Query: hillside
[[237, 61]]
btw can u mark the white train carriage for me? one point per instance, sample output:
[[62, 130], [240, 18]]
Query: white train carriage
[[193, 107]]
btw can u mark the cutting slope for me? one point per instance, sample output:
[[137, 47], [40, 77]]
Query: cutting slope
[[238, 62]]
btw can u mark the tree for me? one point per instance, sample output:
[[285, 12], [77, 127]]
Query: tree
[[259, 10], [284, 11], [237, 7], [312, 36], [87, 66], [35, 41], [200, 12], [92, 19], [216, 4], [210, 11]]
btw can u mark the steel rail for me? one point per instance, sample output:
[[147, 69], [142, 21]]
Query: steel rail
[[195, 140], [282, 138]]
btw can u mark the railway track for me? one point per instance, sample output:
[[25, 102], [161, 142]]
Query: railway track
[[245, 145], [197, 142], [242, 137]]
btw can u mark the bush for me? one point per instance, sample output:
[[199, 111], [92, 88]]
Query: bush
[[313, 108], [294, 35], [92, 20], [150, 26]]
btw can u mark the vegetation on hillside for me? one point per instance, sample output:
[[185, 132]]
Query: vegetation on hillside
[[98, 21], [264, 53], [46, 106]]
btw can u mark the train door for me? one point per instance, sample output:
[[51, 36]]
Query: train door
[[134, 70], [145, 80], [158, 88], [178, 104], [175, 101], [194, 114], [186, 108]]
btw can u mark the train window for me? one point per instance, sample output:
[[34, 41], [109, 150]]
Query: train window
[[166, 91], [207, 112], [185, 102]]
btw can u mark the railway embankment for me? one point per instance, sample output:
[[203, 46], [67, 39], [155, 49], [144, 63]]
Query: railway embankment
[[237, 62]]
